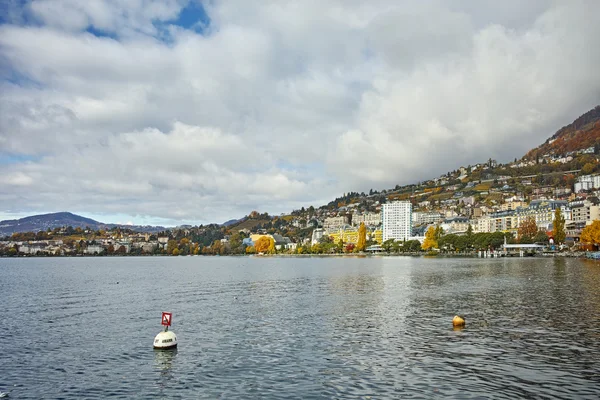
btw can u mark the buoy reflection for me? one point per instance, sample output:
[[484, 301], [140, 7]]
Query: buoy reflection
[[163, 359]]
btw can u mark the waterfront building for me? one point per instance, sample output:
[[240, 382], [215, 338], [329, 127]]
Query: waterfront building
[[346, 235], [397, 220], [420, 218], [370, 219], [584, 211], [94, 249], [317, 235], [587, 182], [332, 224], [481, 224], [350, 235], [543, 212]]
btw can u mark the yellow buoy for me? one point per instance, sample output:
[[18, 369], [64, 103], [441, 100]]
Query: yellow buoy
[[458, 320]]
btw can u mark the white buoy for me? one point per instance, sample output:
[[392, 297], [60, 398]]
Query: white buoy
[[166, 340]]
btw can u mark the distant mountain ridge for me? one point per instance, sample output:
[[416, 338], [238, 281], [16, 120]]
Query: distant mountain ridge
[[43, 222], [581, 134], [232, 222]]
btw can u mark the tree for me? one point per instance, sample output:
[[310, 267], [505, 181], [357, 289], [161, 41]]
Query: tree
[[175, 252], [591, 233], [470, 230], [235, 242], [540, 237], [439, 232], [316, 249], [527, 230], [217, 247], [171, 245], [430, 240], [588, 168], [558, 227], [362, 237], [387, 245], [262, 244], [271, 248], [412, 246]]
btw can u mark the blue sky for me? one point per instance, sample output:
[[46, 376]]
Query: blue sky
[[185, 112]]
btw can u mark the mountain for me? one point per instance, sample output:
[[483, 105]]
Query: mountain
[[36, 223], [43, 222], [232, 222], [581, 134]]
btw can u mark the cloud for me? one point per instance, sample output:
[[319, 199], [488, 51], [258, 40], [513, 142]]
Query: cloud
[[278, 105], [113, 16]]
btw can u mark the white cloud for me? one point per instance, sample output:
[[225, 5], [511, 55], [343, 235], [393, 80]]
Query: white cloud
[[113, 16], [279, 104]]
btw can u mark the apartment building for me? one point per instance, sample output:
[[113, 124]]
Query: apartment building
[[397, 220]]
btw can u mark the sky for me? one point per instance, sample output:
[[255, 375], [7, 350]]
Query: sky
[[177, 112]]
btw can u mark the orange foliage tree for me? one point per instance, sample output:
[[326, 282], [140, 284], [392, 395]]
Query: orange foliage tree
[[527, 230], [262, 244], [591, 234]]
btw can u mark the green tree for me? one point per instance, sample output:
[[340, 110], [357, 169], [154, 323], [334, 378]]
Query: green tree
[[171, 245], [235, 243], [387, 245], [439, 232], [412, 246], [588, 168], [470, 230], [540, 237], [558, 227]]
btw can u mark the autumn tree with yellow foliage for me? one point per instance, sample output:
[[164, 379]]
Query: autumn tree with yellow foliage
[[591, 234], [362, 237], [271, 248], [262, 244], [430, 242]]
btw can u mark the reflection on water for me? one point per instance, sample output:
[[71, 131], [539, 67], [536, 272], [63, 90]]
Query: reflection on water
[[302, 328], [163, 363]]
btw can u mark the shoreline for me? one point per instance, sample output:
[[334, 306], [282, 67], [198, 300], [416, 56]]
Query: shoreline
[[582, 255]]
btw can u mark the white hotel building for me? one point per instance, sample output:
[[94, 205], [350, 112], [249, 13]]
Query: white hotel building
[[397, 220]]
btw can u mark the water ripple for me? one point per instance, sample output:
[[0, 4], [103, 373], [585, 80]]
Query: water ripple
[[300, 328]]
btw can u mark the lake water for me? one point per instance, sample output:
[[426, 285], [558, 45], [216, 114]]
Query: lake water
[[319, 328]]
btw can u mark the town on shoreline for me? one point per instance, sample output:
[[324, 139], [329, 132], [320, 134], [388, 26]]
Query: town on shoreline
[[541, 203]]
